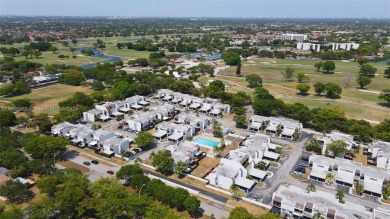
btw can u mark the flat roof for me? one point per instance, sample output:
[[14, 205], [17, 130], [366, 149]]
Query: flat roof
[[244, 182], [321, 201]]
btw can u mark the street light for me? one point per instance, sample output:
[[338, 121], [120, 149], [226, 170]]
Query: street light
[[139, 192]]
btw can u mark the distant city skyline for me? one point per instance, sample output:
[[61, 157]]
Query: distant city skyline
[[200, 8]]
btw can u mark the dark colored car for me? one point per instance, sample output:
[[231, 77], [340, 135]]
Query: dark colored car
[[94, 161], [86, 163], [305, 158], [110, 172]]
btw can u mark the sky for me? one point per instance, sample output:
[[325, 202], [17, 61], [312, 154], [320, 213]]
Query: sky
[[201, 8]]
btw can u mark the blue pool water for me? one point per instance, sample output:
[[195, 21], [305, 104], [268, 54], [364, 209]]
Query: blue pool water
[[206, 142]]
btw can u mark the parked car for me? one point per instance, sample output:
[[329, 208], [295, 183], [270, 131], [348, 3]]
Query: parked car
[[348, 156], [256, 197], [301, 169], [138, 149], [86, 163], [303, 164], [95, 162], [305, 158], [110, 172], [298, 173]]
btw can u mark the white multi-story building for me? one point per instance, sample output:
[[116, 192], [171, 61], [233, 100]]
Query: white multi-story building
[[184, 152], [379, 153], [344, 46], [271, 125], [200, 122], [292, 36], [337, 136], [346, 172], [143, 121], [115, 145], [298, 203]]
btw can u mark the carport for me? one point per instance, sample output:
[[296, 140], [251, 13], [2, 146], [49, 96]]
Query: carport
[[244, 183], [345, 178], [259, 175], [160, 134], [318, 175], [271, 155]]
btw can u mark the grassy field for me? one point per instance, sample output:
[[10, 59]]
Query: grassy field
[[357, 104], [47, 97]]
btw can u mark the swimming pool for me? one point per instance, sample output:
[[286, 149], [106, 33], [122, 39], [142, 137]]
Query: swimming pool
[[206, 142]]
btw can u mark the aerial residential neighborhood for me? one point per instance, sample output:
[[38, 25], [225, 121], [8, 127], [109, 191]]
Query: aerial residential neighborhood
[[195, 109]]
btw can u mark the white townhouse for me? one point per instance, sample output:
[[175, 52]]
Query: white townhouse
[[242, 158], [99, 136], [230, 172], [219, 109], [298, 203], [184, 152], [164, 112], [259, 148], [208, 104], [142, 121], [200, 122], [337, 136], [181, 132], [135, 102], [81, 136], [196, 103], [379, 153], [163, 130], [271, 125], [346, 172], [62, 129], [115, 145]]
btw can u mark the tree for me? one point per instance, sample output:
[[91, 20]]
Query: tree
[[65, 43], [387, 73], [326, 119], [329, 66], [359, 187], [46, 146], [367, 70], [262, 165], [192, 205], [240, 213], [241, 121], [231, 57], [235, 190], [318, 215], [51, 69], [333, 90], [386, 191], [180, 195], [22, 103], [318, 65], [215, 89], [288, 73], [330, 179], [74, 41], [144, 140], [163, 161], [340, 195], [385, 95], [16, 192], [254, 80], [53, 49], [301, 77], [362, 61], [128, 171], [217, 130], [180, 167], [363, 81], [69, 78], [238, 70], [7, 118], [303, 88], [97, 85], [311, 188], [72, 50], [319, 88], [337, 148]]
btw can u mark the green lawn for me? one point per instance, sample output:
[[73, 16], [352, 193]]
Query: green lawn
[[44, 99], [357, 104]]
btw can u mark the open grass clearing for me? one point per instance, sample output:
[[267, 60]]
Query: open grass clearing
[[46, 99], [205, 165]]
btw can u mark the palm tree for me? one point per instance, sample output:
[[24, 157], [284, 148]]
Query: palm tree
[[330, 178], [359, 188], [340, 195], [262, 165], [318, 215], [234, 189], [311, 188], [180, 167]]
